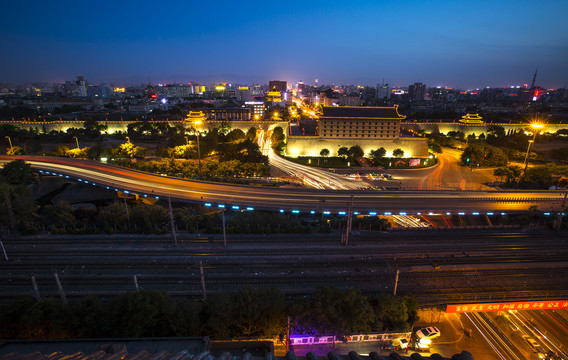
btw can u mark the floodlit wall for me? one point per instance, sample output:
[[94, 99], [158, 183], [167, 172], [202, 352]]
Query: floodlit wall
[[311, 146]]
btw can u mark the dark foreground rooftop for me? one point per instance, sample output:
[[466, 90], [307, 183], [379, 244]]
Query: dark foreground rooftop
[[168, 349]]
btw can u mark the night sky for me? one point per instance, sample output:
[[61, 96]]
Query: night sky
[[464, 44]]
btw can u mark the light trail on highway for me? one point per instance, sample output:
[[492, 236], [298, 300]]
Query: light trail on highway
[[301, 200], [494, 337]]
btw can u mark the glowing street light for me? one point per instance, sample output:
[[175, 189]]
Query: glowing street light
[[535, 127], [196, 118], [77, 141], [127, 139], [11, 147]]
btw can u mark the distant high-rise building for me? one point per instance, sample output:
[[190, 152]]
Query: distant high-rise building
[[383, 91], [417, 91], [278, 85], [76, 88]]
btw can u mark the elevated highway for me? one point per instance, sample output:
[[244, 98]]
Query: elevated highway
[[294, 200]]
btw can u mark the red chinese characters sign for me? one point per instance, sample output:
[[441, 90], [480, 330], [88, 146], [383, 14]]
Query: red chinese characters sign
[[526, 305]]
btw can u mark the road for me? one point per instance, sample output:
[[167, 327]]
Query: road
[[448, 174], [300, 200]]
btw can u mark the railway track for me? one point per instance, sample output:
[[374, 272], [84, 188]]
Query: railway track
[[436, 270]]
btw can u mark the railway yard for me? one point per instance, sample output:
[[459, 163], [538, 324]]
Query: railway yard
[[437, 268]]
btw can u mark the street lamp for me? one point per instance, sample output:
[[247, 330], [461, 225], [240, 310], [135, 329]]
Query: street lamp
[[186, 141], [535, 128], [127, 139], [77, 141], [197, 123], [11, 147]]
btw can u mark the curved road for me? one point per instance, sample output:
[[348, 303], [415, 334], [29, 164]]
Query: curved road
[[301, 200]]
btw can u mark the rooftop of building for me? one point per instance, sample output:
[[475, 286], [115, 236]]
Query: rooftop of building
[[390, 112]]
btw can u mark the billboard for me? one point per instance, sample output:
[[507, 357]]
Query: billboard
[[414, 162], [525, 305]]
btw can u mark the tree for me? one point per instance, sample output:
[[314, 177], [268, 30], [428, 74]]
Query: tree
[[343, 152], [537, 177], [236, 135], [251, 133], [58, 215], [334, 312], [484, 155], [60, 150], [324, 152], [111, 217], [17, 172], [142, 313], [248, 313], [355, 152], [434, 148], [377, 154], [32, 147], [394, 313], [277, 138], [398, 153]]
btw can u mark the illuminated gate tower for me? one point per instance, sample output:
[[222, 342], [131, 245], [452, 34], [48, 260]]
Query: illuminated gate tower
[[196, 118], [359, 122]]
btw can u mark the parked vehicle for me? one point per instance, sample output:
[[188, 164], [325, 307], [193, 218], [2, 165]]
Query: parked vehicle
[[429, 333]]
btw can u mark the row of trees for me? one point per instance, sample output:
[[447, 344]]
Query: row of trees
[[536, 177], [247, 314], [355, 152]]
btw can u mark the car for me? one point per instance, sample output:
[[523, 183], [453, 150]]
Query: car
[[429, 333], [534, 346]]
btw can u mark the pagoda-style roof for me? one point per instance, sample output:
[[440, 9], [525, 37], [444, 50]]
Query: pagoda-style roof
[[471, 119], [195, 116], [469, 116], [369, 112]]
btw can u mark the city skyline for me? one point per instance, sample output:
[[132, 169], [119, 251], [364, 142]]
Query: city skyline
[[444, 43]]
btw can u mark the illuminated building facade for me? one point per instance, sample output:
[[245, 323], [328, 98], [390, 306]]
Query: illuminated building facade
[[234, 113], [360, 122], [257, 108], [274, 95], [368, 127]]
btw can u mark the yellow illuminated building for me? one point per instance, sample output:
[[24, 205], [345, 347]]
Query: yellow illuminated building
[[196, 118], [274, 95], [368, 127], [360, 122], [471, 119]]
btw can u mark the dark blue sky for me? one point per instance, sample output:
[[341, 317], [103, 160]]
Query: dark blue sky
[[455, 43]]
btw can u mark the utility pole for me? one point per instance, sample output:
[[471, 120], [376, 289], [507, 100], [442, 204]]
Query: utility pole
[[36, 288], [224, 232], [3, 249], [136, 282], [202, 280], [557, 222], [172, 221], [60, 288], [10, 211], [345, 237], [396, 281], [126, 209]]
